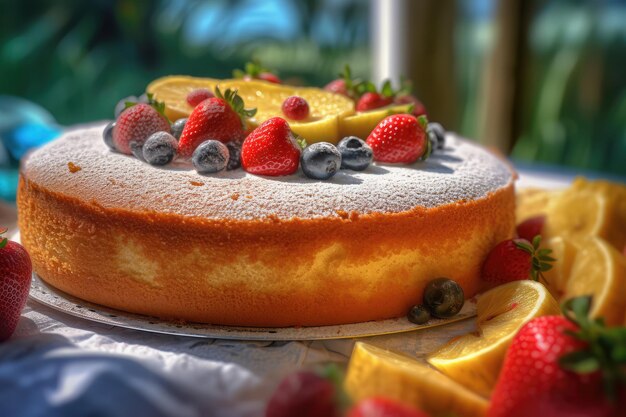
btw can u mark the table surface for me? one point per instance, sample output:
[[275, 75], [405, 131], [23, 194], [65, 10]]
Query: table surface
[[61, 365]]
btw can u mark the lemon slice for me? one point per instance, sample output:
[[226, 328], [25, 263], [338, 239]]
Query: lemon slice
[[326, 108], [564, 251], [474, 360], [599, 270], [532, 202], [577, 214], [377, 372], [361, 124]]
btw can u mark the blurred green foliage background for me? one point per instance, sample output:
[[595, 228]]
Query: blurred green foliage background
[[78, 58]]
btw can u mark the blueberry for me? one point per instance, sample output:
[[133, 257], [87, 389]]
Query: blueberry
[[418, 314], [234, 159], [137, 149], [211, 156], [355, 153], [178, 126], [107, 135], [320, 160], [160, 148], [121, 105], [443, 297], [437, 135]]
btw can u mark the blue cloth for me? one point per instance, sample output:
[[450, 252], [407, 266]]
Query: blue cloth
[[48, 377]]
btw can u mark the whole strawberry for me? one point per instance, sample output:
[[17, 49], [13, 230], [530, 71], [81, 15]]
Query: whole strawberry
[[253, 70], [219, 118], [371, 101], [271, 149], [198, 95], [303, 394], [15, 276], [344, 85], [136, 124], [383, 407], [337, 86], [531, 227], [516, 259], [418, 107], [400, 138], [563, 367]]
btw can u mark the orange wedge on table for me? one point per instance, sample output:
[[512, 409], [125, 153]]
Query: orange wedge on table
[[326, 108], [474, 360], [378, 372]]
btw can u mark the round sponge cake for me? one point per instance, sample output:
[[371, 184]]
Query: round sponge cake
[[238, 249]]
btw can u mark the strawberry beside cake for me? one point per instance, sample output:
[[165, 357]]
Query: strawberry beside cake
[[264, 232]]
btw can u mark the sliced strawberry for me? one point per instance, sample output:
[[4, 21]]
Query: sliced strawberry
[[271, 149], [136, 124], [15, 276], [219, 118], [400, 138], [517, 259], [563, 367]]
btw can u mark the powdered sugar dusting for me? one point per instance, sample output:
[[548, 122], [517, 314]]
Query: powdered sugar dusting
[[462, 171]]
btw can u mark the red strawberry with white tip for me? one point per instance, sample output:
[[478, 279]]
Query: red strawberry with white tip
[[136, 124], [400, 138], [517, 259], [15, 276], [219, 118], [563, 367], [383, 407], [371, 101], [271, 149]]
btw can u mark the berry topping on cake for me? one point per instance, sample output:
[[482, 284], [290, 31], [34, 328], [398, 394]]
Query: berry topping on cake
[[343, 85], [178, 126], [320, 160], [399, 138], [160, 148], [234, 155], [355, 153], [219, 118], [443, 297], [107, 135], [271, 149], [531, 227], [15, 277], [198, 95], [418, 107], [437, 135], [136, 124], [383, 407], [136, 148], [295, 108], [418, 314], [254, 70], [371, 101], [211, 156], [517, 259]]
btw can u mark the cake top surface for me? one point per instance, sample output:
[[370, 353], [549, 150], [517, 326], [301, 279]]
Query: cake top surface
[[80, 165]]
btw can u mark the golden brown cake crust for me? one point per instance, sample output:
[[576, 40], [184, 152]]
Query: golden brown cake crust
[[269, 272]]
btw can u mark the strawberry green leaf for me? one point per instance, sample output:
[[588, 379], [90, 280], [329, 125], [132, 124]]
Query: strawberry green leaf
[[301, 142], [428, 151], [537, 241], [386, 89], [423, 121], [4, 242], [582, 362], [523, 245]]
